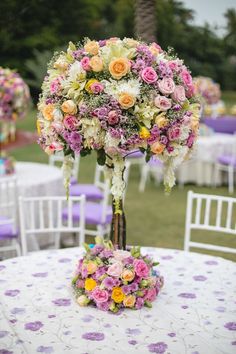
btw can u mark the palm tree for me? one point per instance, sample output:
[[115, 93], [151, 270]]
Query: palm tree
[[145, 20]]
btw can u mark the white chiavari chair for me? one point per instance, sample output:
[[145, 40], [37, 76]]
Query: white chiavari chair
[[43, 216], [212, 213]]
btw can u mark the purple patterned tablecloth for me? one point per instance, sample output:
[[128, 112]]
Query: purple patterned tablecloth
[[195, 312]]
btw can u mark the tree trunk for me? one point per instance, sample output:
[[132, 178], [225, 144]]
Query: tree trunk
[[145, 20]]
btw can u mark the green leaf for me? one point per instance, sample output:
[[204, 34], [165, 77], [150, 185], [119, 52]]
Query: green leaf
[[148, 304], [85, 152]]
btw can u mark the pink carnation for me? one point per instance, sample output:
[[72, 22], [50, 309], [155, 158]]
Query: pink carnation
[[166, 86], [162, 103], [186, 77], [113, 117], [100, 295], [121, 255], [151, 294], [174, 133], [149, 75], [141, 268], [115, 269], [85, 62], [179, 94]]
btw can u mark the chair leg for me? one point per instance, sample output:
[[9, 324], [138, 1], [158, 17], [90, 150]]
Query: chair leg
[[57, 240], [231, 179], [100, 230], [18, 249], [216, 175]]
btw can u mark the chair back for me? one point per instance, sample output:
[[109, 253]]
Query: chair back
[[58, 158], [43, 215], [8, 201], [212, 213]]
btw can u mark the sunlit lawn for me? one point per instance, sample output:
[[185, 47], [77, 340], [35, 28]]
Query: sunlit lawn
[[153, 219]]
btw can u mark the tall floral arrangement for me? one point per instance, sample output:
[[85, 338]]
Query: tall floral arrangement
[[14, 100], [115, 96]]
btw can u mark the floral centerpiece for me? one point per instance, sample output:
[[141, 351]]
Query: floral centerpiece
[[210, 94], [14, 101], [112, 279], [7, 164], [114, 96]]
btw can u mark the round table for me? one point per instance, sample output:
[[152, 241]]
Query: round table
[[194, 313], [200, 168], [37, 179]]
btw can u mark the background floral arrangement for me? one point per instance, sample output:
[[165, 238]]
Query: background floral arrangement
[[208, 90], [112, 279], [14, 96], [115, 96]]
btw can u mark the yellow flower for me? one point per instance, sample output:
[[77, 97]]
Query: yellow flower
[[69, 107], [48, 111], [88, 85], [119, 67], [127, 275], [157, 148], [144, 133], [91, 267], [126, 100], [90, 284], [129, 301], [38, 126], [91, 47], [96, 63], [131, 43], [117, 295]]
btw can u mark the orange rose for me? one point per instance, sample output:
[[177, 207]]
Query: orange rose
[[119, 68], [91, 267], [91, 47], [48, 111], [195, 125], [127, 275], [157, 148], [96, 63], [129, 301], [126, 100], [69, 107]]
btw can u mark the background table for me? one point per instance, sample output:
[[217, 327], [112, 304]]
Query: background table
[[194, 313], [200, 168], [37, 179]]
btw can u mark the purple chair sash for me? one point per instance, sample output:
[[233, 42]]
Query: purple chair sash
[[6, 230], [227, 160], [91, 191], [224, 124], [93, 213]]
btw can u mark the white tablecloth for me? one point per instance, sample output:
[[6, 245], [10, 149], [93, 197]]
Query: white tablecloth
[[195, 312], [199, 169], [37, 179]]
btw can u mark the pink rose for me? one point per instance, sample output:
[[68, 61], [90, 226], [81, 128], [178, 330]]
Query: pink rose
[[190, 91], [85, 63], [70, 122], [151, 294], [58, 126], [100, 295], [173, 65], [96, 87], [166, 86], [162, 103], [53, 147], [179, 94], [141, 268], [149, 75], [174, 132], [121, 255], [186, 77], [113, 117], [115, 269], [55, 86]]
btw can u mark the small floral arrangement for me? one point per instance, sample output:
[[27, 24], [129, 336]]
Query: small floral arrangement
[[208, 90], [115, 96], [112, 279], [7, 164], [14, 96]]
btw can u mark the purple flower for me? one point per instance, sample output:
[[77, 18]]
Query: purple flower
[[231, 326], [94, 336], [106, 254], [96, 250], [104, 306], [99, 272], [75, 138], [40, 275], [158, 348], [199, 278], [33, 326], [12, 293], [133, 287], [139, 303], [62, 302], [126, 289], [3, 334], [109, 282], [133, 331], [17, 310], [43, 349], [187, 295]]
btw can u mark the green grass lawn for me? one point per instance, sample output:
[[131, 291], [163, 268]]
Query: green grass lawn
[[153, 219]]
